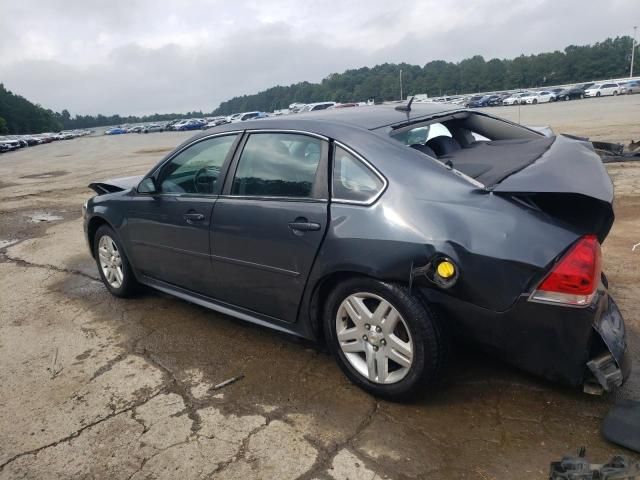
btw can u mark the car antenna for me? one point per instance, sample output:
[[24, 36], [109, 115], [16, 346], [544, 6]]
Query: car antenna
[[407, 107]]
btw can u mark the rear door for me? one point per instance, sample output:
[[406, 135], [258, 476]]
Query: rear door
[[168, 230], [268, 226]]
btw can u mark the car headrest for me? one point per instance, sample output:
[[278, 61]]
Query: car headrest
[[442, 145], [424, 149]]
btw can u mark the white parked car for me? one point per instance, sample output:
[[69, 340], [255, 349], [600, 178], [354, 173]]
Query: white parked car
[[602, 90], [314, 107], [630, 87], [515, 99], [543, 96], [242, 117]]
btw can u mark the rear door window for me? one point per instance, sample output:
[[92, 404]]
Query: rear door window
[[353, 180], [278, 165]]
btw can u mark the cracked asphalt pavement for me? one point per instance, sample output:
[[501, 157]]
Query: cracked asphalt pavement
[[99, 387]]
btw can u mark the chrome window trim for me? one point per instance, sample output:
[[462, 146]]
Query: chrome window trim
[[271, 198], [370, 167], [156, 171], [197, 140], [298, 132]]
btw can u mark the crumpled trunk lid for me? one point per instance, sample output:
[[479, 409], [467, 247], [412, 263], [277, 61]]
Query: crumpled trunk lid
[[567, 182]]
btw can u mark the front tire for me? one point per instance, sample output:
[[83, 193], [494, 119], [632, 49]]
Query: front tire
[[534, 101], [384, 339], [113, 264]]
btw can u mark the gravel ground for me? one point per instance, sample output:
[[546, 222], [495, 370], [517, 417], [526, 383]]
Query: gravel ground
[[99, 387]]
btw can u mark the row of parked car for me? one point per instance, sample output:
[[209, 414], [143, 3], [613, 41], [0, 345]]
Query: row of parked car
[[210, 122], [185, 125], [527, 97], [8, 143]]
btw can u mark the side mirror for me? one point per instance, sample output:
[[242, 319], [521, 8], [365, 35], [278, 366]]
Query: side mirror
[[147, 185]]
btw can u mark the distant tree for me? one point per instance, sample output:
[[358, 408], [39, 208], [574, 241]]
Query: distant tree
[[3, 126], [22, 116]]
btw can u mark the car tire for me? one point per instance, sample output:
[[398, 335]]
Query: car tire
[[597, 94], [109, 255], [417, 331], [534, 101], [567, 98], [615, 93]]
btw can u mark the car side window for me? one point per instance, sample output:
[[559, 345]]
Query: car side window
[[197, 168], [278, 165], [353, 181], [421, 135]]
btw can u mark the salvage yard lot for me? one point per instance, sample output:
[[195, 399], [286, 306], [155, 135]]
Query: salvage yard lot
[[95, 386]]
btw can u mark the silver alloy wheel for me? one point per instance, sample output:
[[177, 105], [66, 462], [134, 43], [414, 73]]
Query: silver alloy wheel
[[110, 261], [374, 338]]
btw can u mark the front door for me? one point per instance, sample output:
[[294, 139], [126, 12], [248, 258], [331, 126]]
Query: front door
[[267, 228], [168, 230]]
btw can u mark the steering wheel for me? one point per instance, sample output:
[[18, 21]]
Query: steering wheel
[[203, 181]]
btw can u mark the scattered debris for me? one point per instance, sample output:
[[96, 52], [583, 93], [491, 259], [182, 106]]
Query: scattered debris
[[579, 468], [622, 424], [616, 152], [43, 217], [55, 368], [227, 382]]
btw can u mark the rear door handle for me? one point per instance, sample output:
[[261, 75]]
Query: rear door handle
[[193, 217], [304, 226]]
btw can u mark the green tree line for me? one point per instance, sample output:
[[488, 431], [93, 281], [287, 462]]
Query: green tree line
[[607, 59], [19, 115]]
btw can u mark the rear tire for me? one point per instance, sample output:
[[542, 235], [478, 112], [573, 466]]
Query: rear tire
[[113, 264], [384, 339], [567, 98], [615, 94]]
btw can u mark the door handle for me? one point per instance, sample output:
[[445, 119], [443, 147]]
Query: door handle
[[304, 226], [193, 217]]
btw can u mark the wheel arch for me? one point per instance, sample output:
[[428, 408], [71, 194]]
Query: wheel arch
[[94, 224], [321, 291]]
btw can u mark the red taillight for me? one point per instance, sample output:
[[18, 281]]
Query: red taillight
[[575, 278]]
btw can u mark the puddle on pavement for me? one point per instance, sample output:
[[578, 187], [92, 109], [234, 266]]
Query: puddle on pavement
[[7, 243], [43, 217]]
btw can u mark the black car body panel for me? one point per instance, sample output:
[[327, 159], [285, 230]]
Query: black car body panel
[[244, 258], [571, 93]]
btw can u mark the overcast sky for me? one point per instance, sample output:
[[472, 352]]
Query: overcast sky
[[146, 56]]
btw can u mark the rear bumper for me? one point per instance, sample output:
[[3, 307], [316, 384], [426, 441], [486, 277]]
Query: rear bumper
[[554, 342]]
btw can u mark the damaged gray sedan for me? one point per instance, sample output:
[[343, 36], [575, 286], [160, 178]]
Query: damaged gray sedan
[[383, 232]]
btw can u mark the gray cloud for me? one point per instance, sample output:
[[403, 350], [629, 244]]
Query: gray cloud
[[145, 56]]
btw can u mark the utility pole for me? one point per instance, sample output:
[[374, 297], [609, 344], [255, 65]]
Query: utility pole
[[633, 51], [401, 97]]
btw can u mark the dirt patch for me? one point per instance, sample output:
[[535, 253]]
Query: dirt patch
[[6, 185], [55, 173], [20, 224]]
